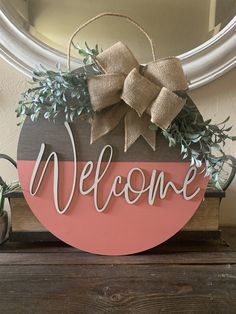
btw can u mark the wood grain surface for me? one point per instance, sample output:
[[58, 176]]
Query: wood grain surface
[[55, 135], [206, 217], [108, 289], [52, 278]]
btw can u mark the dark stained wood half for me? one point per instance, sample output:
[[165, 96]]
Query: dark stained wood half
[[56, 138]]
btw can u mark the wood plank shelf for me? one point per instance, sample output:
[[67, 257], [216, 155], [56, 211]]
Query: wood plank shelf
[[177, 277]]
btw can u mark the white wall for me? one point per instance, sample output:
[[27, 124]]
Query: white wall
[[216, 100], [174, 26]]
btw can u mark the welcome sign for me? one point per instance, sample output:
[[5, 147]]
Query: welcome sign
[[114, 157], [99, 198]]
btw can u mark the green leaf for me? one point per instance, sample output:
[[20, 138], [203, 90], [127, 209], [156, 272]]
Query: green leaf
[[207, 122], [198, 163], [226, 120]]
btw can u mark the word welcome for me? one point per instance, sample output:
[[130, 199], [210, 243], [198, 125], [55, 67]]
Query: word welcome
[[156, 186]]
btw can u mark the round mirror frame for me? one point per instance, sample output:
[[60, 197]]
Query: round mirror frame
[[201, 65]]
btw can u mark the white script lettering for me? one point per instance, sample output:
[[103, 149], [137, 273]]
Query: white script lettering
[[156, 187]]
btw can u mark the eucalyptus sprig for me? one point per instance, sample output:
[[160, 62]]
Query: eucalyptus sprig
[[200, 141], [87, 53], [55, 92]]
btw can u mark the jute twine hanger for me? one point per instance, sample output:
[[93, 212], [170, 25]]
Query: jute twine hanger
[[100, 16]]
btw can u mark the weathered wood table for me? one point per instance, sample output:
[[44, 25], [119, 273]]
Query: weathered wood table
[[177, 277]]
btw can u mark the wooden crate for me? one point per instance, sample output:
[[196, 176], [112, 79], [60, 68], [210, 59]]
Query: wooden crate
[[204, 224]]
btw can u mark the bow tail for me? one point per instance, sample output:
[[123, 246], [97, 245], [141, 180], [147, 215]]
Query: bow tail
[[103, 123], [136, 127]]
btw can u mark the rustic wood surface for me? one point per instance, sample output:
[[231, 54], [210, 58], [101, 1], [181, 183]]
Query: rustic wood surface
[[179, 277], [206, 217], [56, 137]]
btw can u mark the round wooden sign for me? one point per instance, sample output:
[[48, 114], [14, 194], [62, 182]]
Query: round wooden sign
[[100, 199]]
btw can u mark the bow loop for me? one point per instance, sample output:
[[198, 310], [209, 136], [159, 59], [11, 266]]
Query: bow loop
[[165, 108], [166, 72], [117, 59]]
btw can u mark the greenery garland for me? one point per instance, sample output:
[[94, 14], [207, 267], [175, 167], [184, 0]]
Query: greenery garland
[[55, 92], [67, 92], [59, 91], [201, 142]]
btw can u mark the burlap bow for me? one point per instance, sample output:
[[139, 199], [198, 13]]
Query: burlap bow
[[139, 94]]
